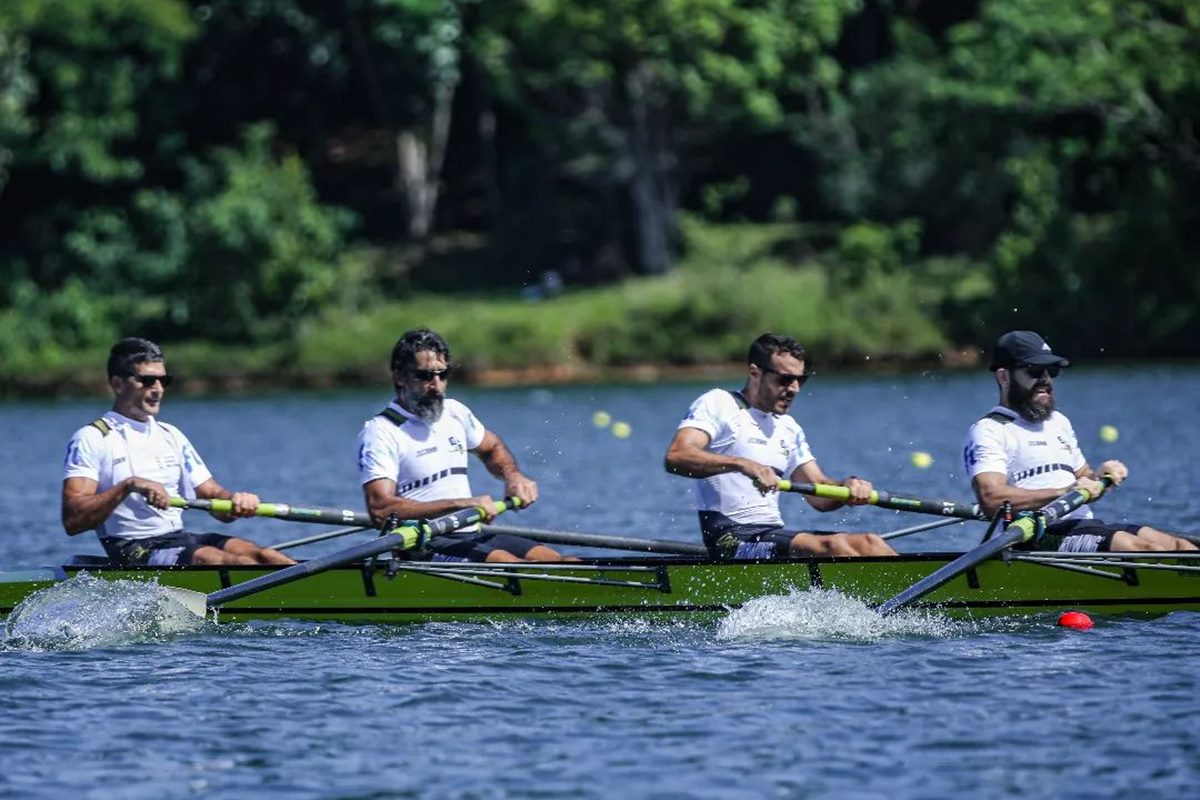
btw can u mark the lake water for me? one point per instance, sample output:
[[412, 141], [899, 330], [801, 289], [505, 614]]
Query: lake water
[[795, 697]]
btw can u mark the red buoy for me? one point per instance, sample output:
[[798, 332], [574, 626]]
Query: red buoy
[[1075, 619]]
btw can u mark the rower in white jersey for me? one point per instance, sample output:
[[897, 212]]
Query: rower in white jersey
[[739, 445], [1024, 453], [122, 470], [412, 458]]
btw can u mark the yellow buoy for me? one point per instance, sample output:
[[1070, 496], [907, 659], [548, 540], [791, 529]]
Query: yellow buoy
[[921, 459]]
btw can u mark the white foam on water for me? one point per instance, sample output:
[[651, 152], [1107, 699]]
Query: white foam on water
[[829, 614], [85, 613]]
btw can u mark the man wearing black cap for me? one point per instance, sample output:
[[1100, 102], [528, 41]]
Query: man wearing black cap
[[1025, 453]]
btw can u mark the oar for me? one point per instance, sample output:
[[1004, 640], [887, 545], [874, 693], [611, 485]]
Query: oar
[[604, 541], [289, 513], [942, 508], [320, 537], [328, 516], [403, 538], [925, 526], [1021, 529]]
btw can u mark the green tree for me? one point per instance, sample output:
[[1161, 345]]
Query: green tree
[[1048, 139], [16, 90], [263, 252], [73, 74], [625, 94], [91, 61], [366, 84]]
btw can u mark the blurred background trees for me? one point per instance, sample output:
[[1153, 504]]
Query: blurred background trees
[[239, 170]]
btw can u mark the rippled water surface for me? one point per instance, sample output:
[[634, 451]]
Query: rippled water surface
[[108, 693]]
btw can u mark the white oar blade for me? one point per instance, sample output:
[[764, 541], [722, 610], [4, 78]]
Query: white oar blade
[[194, 602]]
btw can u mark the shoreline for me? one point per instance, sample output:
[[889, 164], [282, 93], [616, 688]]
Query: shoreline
[[567, 374]]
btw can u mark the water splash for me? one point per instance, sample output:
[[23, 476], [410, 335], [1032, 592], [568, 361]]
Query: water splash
[[85, 612], [829, 614]]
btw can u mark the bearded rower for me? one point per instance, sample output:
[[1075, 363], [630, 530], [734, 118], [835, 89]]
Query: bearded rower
[[1025, 453], [412, 458]]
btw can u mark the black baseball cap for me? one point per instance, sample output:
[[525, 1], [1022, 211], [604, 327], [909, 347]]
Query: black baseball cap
[[1024, 348]]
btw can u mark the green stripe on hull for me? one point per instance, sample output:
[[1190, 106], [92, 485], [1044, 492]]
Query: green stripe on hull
[[668, 587]]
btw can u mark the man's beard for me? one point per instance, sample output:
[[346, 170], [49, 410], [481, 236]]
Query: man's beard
[[1022, 401], [428, 407]]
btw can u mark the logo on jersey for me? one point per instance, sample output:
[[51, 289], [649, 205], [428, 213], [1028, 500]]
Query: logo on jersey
[[456, 446], [73, 458], [167, 462], [427, 451], [1066, 444]]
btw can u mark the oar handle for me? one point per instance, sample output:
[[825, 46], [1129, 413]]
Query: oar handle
[[1055, 510], [413, 533], [283, 511], [1019, 530], [892, 500]]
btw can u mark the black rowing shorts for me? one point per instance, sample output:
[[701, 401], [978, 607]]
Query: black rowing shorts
[[476, 545], [1083, 535], [727, 539], [168, 550]]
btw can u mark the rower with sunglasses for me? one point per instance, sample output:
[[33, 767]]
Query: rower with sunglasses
[[413, 457], [1025, 453], [739, 445], [122, 470]]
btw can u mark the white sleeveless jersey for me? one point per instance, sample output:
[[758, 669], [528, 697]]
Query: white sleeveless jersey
[[1030, 455], [152, 450], [736, 429], [427, 461]]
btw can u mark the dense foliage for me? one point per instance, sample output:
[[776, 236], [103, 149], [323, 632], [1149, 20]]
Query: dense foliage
[[241, 170]]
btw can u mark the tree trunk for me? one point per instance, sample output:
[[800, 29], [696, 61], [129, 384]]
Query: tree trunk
[[419, 165], [653, 217]]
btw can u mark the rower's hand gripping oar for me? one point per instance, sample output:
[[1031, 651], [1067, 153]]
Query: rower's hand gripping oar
[[1022, 529], [892, 500], [327, 516], [406, 537]]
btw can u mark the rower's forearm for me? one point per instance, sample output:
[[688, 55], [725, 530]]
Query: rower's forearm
[[82, 513], [824, 503], [416, 509], [1019, 499], [500, 462], [700, 464]]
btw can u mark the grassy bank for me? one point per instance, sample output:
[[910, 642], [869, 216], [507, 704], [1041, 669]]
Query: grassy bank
[[735, 282]]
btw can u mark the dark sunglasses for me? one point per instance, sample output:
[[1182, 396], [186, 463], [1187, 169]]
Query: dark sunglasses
[[149, 380], [430, 374], [1039, 371], [786, 378]]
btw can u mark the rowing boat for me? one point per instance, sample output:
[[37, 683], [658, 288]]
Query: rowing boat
[[398, 590]]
